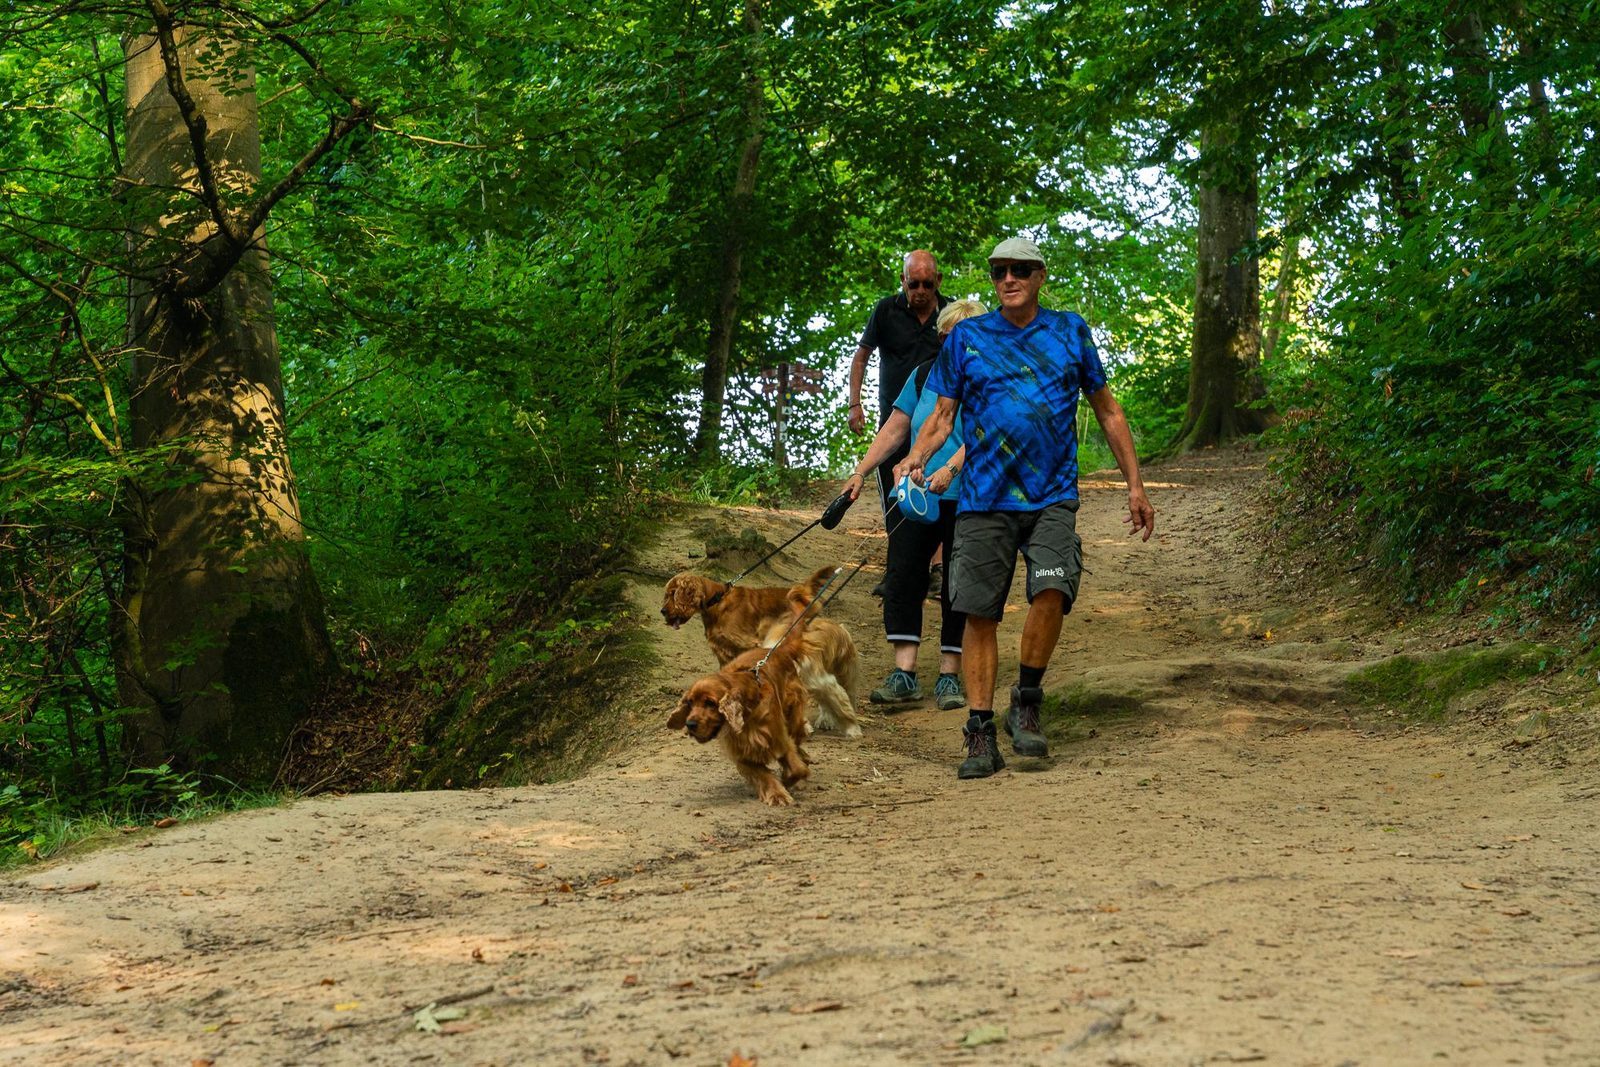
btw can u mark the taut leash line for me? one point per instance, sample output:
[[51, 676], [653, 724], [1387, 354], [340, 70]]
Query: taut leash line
[[862, 562], [827, 520]]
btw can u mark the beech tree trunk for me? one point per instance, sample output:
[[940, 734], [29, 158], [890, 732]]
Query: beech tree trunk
[[220, 637], [741, 201], [1226, 350]]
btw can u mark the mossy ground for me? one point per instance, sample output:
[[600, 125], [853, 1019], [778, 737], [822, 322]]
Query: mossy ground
[[1431, 686], [1081, 711]]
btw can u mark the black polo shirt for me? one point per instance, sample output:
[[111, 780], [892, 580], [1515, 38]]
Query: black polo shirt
[[902, 342]]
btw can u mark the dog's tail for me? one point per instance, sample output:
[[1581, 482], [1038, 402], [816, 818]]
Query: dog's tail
[[803, 597]]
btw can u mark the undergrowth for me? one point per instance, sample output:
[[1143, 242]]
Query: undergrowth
[[39, 825]]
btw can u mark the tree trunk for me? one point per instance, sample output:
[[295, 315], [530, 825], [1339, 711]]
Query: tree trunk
[[1546, 158], [741, 201], [1397, 153], [1283, 294], [780, 416], [1226, 351], [220, 633], [1477, 100]]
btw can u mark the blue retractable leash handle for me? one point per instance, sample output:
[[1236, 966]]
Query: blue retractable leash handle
[[915, 502]]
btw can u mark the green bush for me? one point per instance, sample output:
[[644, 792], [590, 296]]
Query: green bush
[[1456, 427]]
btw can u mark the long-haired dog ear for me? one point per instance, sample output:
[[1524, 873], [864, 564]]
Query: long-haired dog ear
[[732, 709], [680, 718], [704, 589]]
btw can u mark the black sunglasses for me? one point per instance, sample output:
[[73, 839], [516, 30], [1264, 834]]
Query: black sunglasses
[[914, 284], [997, 271]]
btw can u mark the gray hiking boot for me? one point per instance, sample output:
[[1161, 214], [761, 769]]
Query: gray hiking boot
[[1022, 722], [983, 750], [899, 688], [948, 694]]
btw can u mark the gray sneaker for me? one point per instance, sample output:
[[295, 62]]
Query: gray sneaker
[[1022, 722], [948, 694], [899, 688]]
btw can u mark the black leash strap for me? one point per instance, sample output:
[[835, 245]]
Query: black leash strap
[[827, 520], [862, 562]]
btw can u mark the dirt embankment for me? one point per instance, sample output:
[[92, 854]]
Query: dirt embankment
[[1218, 864]]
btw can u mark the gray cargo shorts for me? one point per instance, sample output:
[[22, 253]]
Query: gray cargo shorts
[[985, 557]]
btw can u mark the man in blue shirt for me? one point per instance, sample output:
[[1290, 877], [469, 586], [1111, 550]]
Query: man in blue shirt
[[1015, 375]]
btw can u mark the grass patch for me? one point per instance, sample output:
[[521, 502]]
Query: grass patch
[[1426, 686], [552, 717], [54, 829]]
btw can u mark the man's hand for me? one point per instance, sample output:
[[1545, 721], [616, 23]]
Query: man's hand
[[858, 418], [910, 466], [1140, 514]]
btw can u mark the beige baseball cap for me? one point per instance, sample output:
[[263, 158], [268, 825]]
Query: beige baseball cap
[[1017, 248]]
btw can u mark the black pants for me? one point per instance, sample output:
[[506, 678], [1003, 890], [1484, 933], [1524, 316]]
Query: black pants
[[905, 585]]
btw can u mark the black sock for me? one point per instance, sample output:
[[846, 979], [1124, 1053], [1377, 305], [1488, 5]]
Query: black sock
[[983, 716], [1031, 677]]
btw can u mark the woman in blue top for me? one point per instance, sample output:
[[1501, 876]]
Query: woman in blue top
[[912, 544]]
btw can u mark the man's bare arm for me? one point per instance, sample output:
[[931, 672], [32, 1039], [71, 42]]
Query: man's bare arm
[[858, 371], [1114, 424], [932, 435]]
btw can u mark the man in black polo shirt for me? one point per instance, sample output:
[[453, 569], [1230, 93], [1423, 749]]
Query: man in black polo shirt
[[904, 330]]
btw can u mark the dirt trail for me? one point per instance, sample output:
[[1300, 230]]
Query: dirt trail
[[1215, 866]]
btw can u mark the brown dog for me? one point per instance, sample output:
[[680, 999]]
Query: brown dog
[[736, 617], [760, 718]]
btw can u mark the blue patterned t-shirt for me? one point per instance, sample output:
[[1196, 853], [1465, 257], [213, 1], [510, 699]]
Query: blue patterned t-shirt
[[1018, 390]]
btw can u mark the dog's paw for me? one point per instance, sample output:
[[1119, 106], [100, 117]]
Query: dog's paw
[[777, 798], [853, 730]]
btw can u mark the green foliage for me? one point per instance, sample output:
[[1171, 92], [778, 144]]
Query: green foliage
[[1456, 418], [33, 825]]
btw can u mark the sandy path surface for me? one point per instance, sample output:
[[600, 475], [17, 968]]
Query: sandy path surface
[[1214, 866]]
